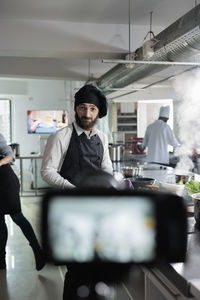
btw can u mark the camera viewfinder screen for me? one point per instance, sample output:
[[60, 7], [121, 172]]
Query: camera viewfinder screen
[[116, 229]]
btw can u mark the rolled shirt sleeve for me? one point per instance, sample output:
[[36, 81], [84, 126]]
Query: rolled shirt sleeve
[[4, 148], [146, 138], [55, 151], [171, 138], [106, 164]]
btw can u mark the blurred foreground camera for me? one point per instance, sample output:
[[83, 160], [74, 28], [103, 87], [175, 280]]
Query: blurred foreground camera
[[108, 230]]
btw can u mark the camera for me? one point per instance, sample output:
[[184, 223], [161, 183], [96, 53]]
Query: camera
[[109, 229]]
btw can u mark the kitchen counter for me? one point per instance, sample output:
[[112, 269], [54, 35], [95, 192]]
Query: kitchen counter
[[32, 163], [177, 280], [158, 172]]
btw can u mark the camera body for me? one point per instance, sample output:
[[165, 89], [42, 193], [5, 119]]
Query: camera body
[[107, 229]]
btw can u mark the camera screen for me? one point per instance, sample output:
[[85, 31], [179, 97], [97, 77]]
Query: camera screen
[[118, 229]]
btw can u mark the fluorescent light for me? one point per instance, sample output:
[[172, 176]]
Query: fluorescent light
[[150, 62], [123, 89]]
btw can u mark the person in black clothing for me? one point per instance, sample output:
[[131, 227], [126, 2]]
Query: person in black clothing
[[74, 153], [80, 147], [10, 205]]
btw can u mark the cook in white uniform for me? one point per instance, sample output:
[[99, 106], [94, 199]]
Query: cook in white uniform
[[157, 138]]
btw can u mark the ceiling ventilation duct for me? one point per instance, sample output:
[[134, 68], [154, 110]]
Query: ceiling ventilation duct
[[178, 42]]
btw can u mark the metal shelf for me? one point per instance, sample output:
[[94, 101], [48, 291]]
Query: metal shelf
[[126, 116], [135, 131], [127, 124]]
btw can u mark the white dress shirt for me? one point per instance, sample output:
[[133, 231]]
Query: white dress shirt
[[56, 149], [157, 138]]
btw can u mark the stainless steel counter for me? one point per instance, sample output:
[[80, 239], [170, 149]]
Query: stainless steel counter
[[35, 164], [178, 280], [158, 172]]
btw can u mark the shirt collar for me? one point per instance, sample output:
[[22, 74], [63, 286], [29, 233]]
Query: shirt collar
[[80, 130]]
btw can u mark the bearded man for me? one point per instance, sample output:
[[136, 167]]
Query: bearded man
[[78, 149]]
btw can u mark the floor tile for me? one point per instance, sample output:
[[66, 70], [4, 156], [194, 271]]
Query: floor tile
[[21, 281]]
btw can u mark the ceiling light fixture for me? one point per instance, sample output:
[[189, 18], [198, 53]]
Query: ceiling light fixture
[[124, 89], [148, 45], [129, 56], [150, 62]]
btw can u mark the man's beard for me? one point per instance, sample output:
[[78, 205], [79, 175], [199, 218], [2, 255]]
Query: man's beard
[[85, 126]]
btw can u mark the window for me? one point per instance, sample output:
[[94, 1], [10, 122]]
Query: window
[[5, 119]]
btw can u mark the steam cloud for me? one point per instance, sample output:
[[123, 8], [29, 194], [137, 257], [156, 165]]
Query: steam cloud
[[188, 119]]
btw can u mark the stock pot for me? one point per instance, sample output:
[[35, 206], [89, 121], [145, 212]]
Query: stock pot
[[130, 171], [196, 199], [116, 152]]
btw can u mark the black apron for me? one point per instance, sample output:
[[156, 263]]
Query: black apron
[[9, 191], [84, 156]]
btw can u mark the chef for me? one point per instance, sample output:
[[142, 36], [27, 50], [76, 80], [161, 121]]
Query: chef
[[157, 138], [79, 149]]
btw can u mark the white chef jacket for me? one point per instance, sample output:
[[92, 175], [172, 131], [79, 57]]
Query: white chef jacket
[[56, 149], [157, 138]]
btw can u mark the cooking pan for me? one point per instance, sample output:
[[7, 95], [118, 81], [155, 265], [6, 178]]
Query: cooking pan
[[140, 182]]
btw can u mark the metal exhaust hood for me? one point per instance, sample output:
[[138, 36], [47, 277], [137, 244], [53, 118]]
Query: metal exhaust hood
[[178, 42]]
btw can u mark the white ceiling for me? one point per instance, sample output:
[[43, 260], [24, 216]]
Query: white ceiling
[[68, 38], [97, 11]]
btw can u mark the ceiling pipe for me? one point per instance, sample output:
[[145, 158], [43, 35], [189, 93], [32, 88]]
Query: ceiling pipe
[[152, 84], [178, 42]]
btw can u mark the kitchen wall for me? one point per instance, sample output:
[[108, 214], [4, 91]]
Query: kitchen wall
[[148, 112], [155, 94], [40, 94], [35, 94]]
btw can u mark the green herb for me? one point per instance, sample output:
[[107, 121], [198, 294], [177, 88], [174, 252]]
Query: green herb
[[192, 186]]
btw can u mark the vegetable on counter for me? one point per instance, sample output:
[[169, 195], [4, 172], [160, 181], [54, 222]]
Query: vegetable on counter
[[192, 186]]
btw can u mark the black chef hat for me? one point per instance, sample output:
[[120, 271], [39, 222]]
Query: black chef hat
[[90, 94]]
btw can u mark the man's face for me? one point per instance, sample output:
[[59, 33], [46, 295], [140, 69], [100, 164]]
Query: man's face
[[86, 115]]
